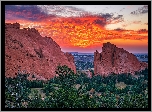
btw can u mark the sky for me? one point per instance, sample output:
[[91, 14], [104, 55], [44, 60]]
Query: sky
[[84, 28]]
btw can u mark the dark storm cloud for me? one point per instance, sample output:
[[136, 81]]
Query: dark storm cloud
[[46, 12], [103, 18], [29, 12], [40, 12], [22, 8], [118, 17], [100, 22], [141, 10], [108, 18]]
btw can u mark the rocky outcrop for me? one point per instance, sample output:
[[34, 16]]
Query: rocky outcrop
[[14, 25], [71, 60], [26, 49], [116, 60]]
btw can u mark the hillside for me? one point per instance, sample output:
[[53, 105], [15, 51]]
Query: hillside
[[26, 50]]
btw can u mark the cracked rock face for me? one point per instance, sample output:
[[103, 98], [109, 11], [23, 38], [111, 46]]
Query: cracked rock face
[[116, 60], [26, 50]]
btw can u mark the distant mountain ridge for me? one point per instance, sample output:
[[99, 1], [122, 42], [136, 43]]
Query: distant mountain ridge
[[93, 53]]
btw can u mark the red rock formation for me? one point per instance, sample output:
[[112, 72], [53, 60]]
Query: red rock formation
[[116, 60], [26, 49], [71, 60]]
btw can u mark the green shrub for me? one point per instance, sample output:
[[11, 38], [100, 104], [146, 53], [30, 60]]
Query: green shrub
[[70, 90], [16, 91], [36, 100]]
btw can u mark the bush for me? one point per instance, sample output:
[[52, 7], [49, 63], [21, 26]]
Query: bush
[[36, 100], [66, 76], [134, 101], [70, 90], [16, 91], [70, 98]]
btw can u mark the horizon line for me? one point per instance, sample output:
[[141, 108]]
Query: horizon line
[[93, 52]]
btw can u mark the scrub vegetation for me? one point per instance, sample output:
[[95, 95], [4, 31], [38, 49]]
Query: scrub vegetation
[[70, 90]]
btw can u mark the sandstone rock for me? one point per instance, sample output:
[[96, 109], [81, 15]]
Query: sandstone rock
[[14, 25], [26, 49], [71, 60], [116, 60]]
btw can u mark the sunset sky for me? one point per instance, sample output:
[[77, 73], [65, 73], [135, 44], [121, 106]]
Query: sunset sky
[[84, 28]]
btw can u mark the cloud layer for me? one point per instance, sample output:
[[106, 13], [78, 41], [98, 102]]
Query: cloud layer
[[142, 10], [73, 27]]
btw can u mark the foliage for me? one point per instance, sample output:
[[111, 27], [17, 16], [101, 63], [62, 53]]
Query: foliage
[[82, 79], [16, 92], [35, 84], [66, 76], [36, 100], [48, 88], [70, 98], [134, 101], [70, 90]]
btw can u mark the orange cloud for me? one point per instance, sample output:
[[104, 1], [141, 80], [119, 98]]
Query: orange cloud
[[82, 32]]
